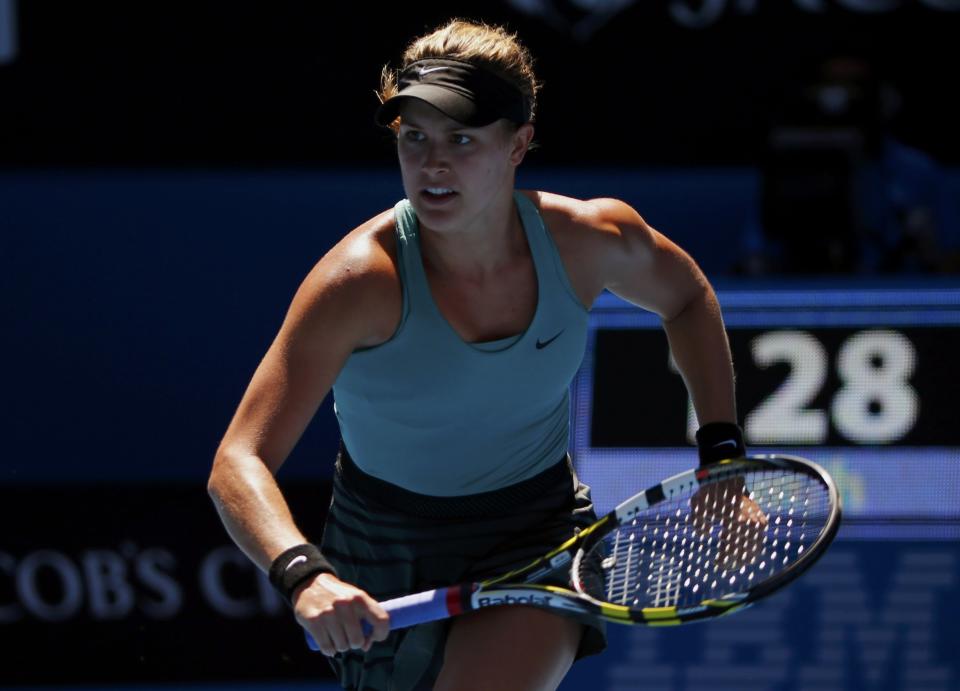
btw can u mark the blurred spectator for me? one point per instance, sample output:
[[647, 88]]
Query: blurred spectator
[[840, 193]]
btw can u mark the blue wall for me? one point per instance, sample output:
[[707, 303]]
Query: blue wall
[[141, 301]]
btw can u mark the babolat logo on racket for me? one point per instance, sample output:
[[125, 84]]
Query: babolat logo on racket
[[528, 599]]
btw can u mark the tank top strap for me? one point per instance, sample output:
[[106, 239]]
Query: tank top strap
[[416, 290], [546, 256], [533, 225]]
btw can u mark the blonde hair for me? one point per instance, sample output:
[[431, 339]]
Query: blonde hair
[[484, 45]]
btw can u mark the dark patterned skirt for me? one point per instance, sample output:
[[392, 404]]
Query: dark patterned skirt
[[392, 542]]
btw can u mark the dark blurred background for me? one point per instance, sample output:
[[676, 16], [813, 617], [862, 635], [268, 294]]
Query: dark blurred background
[[169, 172], [676, 83], [842, 107]]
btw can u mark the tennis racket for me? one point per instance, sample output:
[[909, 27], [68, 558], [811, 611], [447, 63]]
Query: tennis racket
[[704, 543]]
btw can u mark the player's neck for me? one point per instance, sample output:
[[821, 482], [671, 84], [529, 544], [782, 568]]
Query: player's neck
[[482, 248]]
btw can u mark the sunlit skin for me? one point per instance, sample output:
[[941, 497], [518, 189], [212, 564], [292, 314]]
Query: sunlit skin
[[475, 227], [743, 541]]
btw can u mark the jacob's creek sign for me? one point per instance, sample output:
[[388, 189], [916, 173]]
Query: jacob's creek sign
[[110, 584], [135, 582]]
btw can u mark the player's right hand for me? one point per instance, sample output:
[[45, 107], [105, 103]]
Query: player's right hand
[[332, 611]]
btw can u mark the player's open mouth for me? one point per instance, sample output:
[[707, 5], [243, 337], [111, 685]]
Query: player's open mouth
[[437, 195]]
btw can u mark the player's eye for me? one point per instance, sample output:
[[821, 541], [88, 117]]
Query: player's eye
[[413, 135], [461, 139]]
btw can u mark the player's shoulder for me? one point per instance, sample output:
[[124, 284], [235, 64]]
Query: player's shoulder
[[601, 220], [365, 258], [357, 282], [592, 236]]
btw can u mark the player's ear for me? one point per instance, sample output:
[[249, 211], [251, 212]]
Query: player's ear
[[520, 140]]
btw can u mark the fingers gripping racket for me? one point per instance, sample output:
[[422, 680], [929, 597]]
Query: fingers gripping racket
[[704, 543]]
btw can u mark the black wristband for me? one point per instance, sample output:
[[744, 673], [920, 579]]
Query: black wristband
[[717, 441], [296, 565]]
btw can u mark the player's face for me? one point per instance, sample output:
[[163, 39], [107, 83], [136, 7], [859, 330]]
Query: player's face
[[451, 172]]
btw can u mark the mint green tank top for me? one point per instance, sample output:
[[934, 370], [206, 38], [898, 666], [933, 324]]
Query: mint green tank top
[[436, 415]]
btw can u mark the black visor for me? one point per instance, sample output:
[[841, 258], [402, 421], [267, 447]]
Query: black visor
[[463, 91]]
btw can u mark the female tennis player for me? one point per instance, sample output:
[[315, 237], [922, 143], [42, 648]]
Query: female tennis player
[[449, 329]]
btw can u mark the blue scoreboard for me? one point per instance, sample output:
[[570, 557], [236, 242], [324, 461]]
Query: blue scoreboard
[[861, 381]]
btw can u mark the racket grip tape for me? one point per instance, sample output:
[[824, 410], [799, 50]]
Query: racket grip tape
[[418, 608]]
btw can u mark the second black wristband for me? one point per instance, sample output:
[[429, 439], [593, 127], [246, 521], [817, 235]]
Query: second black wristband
[[717, 441]]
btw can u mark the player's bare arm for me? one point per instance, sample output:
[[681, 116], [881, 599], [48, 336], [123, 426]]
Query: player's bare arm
[[645, 268], [350, 299]]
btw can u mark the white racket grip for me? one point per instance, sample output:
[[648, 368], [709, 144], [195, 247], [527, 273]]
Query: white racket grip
[[419, 608]]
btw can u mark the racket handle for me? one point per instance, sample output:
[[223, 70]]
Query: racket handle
[[418, 608]]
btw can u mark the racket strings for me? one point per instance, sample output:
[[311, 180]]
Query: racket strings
[[721, 539]]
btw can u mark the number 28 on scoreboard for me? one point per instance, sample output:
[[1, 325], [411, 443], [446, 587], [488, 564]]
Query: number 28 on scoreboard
[[795, 386]]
